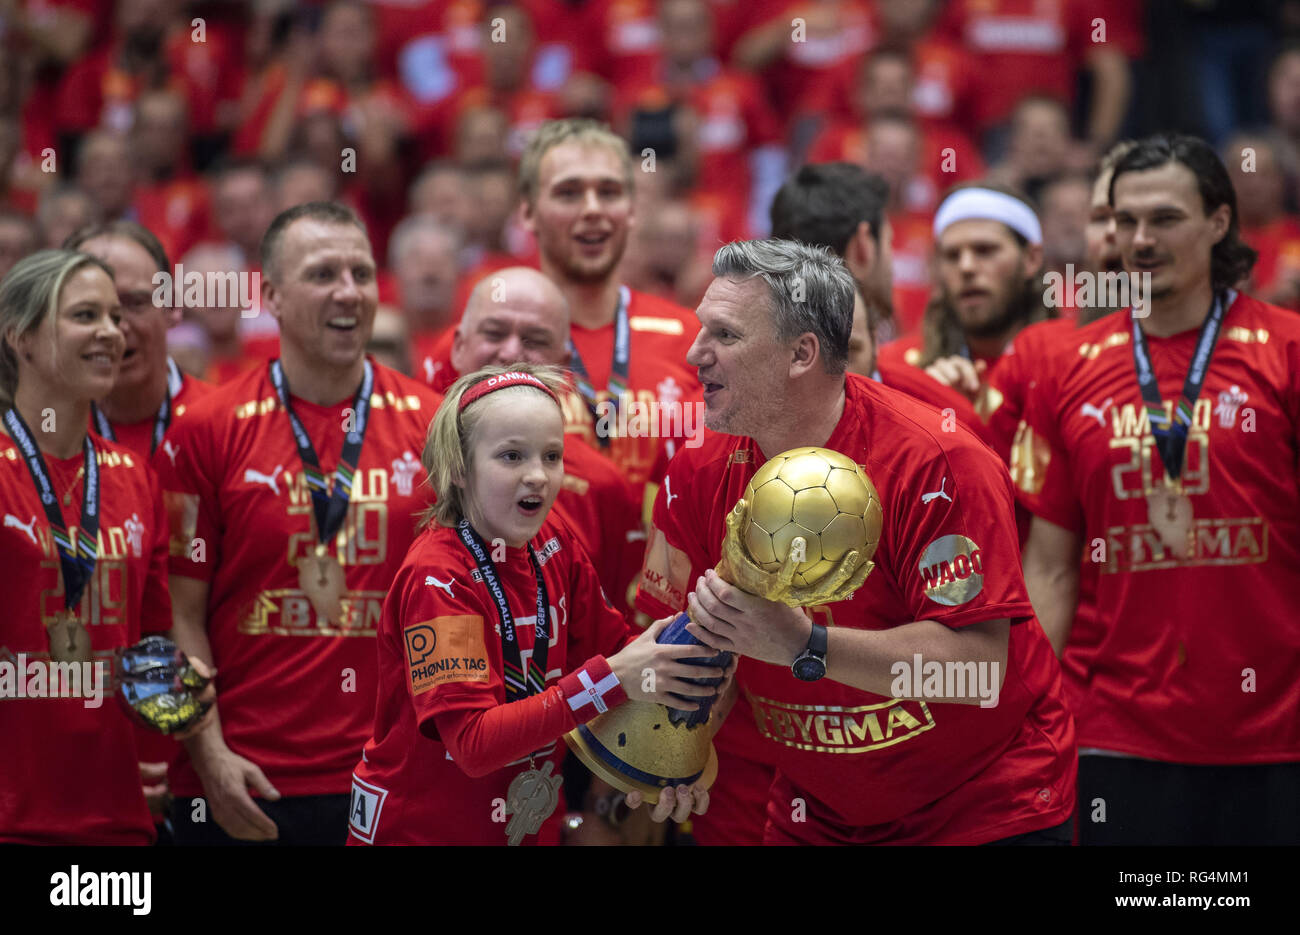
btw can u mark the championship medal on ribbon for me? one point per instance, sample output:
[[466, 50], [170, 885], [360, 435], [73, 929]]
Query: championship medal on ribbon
[[78, 555], [532, 796], [1169, 509], [803, 534], [320, 576]]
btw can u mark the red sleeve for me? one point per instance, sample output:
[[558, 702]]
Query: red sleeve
[[190, 497], [457, 688], [481, 742], [1039, 466], [156, 600], [957, 557], [666, 571]]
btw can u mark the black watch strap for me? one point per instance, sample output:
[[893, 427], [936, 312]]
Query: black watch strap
[[817, 640]]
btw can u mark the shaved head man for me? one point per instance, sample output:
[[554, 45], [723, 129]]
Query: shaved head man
[[514, 315]]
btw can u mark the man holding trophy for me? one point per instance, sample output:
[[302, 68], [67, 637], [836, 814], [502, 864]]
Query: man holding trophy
[[874, 589]]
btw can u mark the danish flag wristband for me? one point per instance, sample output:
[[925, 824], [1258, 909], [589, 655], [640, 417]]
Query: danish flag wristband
[[592, 689]]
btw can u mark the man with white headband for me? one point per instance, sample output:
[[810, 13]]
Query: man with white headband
[[988, 258]]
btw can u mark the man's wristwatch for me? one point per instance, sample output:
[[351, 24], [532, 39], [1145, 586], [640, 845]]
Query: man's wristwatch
[[810, 665]]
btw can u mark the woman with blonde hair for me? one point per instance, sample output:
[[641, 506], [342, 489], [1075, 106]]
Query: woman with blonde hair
[[84, 547], [496, 639]]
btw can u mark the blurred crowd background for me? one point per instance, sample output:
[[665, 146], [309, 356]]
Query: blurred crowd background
[[202, 120]]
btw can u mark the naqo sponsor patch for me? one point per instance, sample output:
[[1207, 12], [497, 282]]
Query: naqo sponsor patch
[[952, 570], [363, 809], [445, 650]]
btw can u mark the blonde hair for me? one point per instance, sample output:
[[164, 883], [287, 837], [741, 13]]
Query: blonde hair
[[553, 133], [446, 456], [29, 294]]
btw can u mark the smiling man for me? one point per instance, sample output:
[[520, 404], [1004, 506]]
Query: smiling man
[[150, 390], [293, 492], [1168, 443], [926, 768], [629, 348]]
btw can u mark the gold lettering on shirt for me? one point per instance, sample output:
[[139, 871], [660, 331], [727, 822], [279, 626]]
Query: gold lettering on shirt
[[288, 612], [1240, 541], [835, 729], [182, 520], [1030, 456]]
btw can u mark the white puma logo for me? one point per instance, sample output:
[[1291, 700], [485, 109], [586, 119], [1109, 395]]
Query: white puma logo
[[927, 497], [1095, 412], [171, 450], [11, 520], [431, 580], [668, 492], [257, 477]]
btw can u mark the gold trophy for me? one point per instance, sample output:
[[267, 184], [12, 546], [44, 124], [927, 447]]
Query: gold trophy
[[802, 534]]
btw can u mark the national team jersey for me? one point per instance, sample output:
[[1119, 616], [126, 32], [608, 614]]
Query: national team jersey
[[604, 513], [138, 436], [892, 770], [1010, 387], [1198, 657], [72, 775], [407, 789], [295, 690], [659, 383]]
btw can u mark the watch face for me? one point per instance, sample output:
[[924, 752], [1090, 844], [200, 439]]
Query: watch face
[[809, 668]]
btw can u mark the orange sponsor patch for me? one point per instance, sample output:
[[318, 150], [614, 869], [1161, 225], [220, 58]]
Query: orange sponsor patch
[[445, 650]]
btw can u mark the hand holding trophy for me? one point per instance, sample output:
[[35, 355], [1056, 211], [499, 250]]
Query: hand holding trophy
[[802, 534]]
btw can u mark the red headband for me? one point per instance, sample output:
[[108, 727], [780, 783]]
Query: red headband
[[500, 382]]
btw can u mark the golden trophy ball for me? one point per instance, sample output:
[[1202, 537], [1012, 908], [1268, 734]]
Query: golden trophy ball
[[803, 534]]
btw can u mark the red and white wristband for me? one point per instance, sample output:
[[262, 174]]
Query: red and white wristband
[[592, 689]]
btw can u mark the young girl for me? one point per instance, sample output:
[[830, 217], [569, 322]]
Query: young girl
[[84, 549], [496, 639]]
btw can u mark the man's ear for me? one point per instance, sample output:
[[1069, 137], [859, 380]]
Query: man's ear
[[270, 297], [1221, 219], [1033, 259], [804, 354]]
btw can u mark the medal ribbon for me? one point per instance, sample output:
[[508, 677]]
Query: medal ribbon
[[330, 507], [78, 557], [519, 684], [163, 420], [1171, 438], [618, 368]]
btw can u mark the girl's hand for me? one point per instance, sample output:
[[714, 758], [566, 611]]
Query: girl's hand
[[649, 671]]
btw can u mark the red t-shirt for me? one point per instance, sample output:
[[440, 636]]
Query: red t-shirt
[[936, 772], [661, 333], [1167, 681], [918, 384], [604, 513], [138, 436], [294, 690], [407, 789], [79, 782], [1011, 384]]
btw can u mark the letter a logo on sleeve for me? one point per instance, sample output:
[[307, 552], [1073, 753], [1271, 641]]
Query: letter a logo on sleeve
[[445, 650], [952, 570]]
